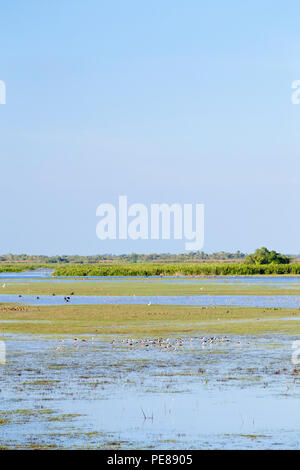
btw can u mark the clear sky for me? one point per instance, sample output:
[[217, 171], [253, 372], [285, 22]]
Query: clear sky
[[163, 101]]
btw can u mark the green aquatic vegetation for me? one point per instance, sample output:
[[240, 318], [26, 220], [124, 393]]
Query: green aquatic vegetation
[[175, 269], [41, 383], [174, 374], [4, 421], [24, 415], [140, 320], [37, 446], [24, 412], [64, 417], [93, 434], [248, 436], [169, 441], [45, 411], [57, 366], [145, 288], [31, 412], [17, 267]]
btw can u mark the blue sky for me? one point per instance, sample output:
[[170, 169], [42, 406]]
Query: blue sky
[[161, 101]]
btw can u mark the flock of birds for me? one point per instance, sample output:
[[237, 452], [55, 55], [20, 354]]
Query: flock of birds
[[76, 342], [171, 344], [67, 298], [162, 343]]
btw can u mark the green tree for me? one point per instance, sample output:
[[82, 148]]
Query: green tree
[[264, 256]]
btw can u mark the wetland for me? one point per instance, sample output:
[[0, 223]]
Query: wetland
[[139, 375]]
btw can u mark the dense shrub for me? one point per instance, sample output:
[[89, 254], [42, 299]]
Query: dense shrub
[[16, 268], [170, 269]]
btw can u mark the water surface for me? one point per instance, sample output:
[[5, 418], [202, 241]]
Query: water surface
[[94, 394], [287, 301]]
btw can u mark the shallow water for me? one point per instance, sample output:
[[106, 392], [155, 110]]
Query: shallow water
[[224, 395], [46, 276], [39, 273], [288, 301]]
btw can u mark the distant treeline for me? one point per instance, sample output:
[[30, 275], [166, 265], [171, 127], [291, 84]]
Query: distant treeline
[[171, 269], [126, 258]]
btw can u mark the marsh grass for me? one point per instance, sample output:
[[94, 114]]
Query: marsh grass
[[24, 415], [138, 320], [18, 268], [64, 417], [141, 288], [41, 383]]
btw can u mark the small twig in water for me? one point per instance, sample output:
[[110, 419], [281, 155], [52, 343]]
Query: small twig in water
[[145, 417]]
